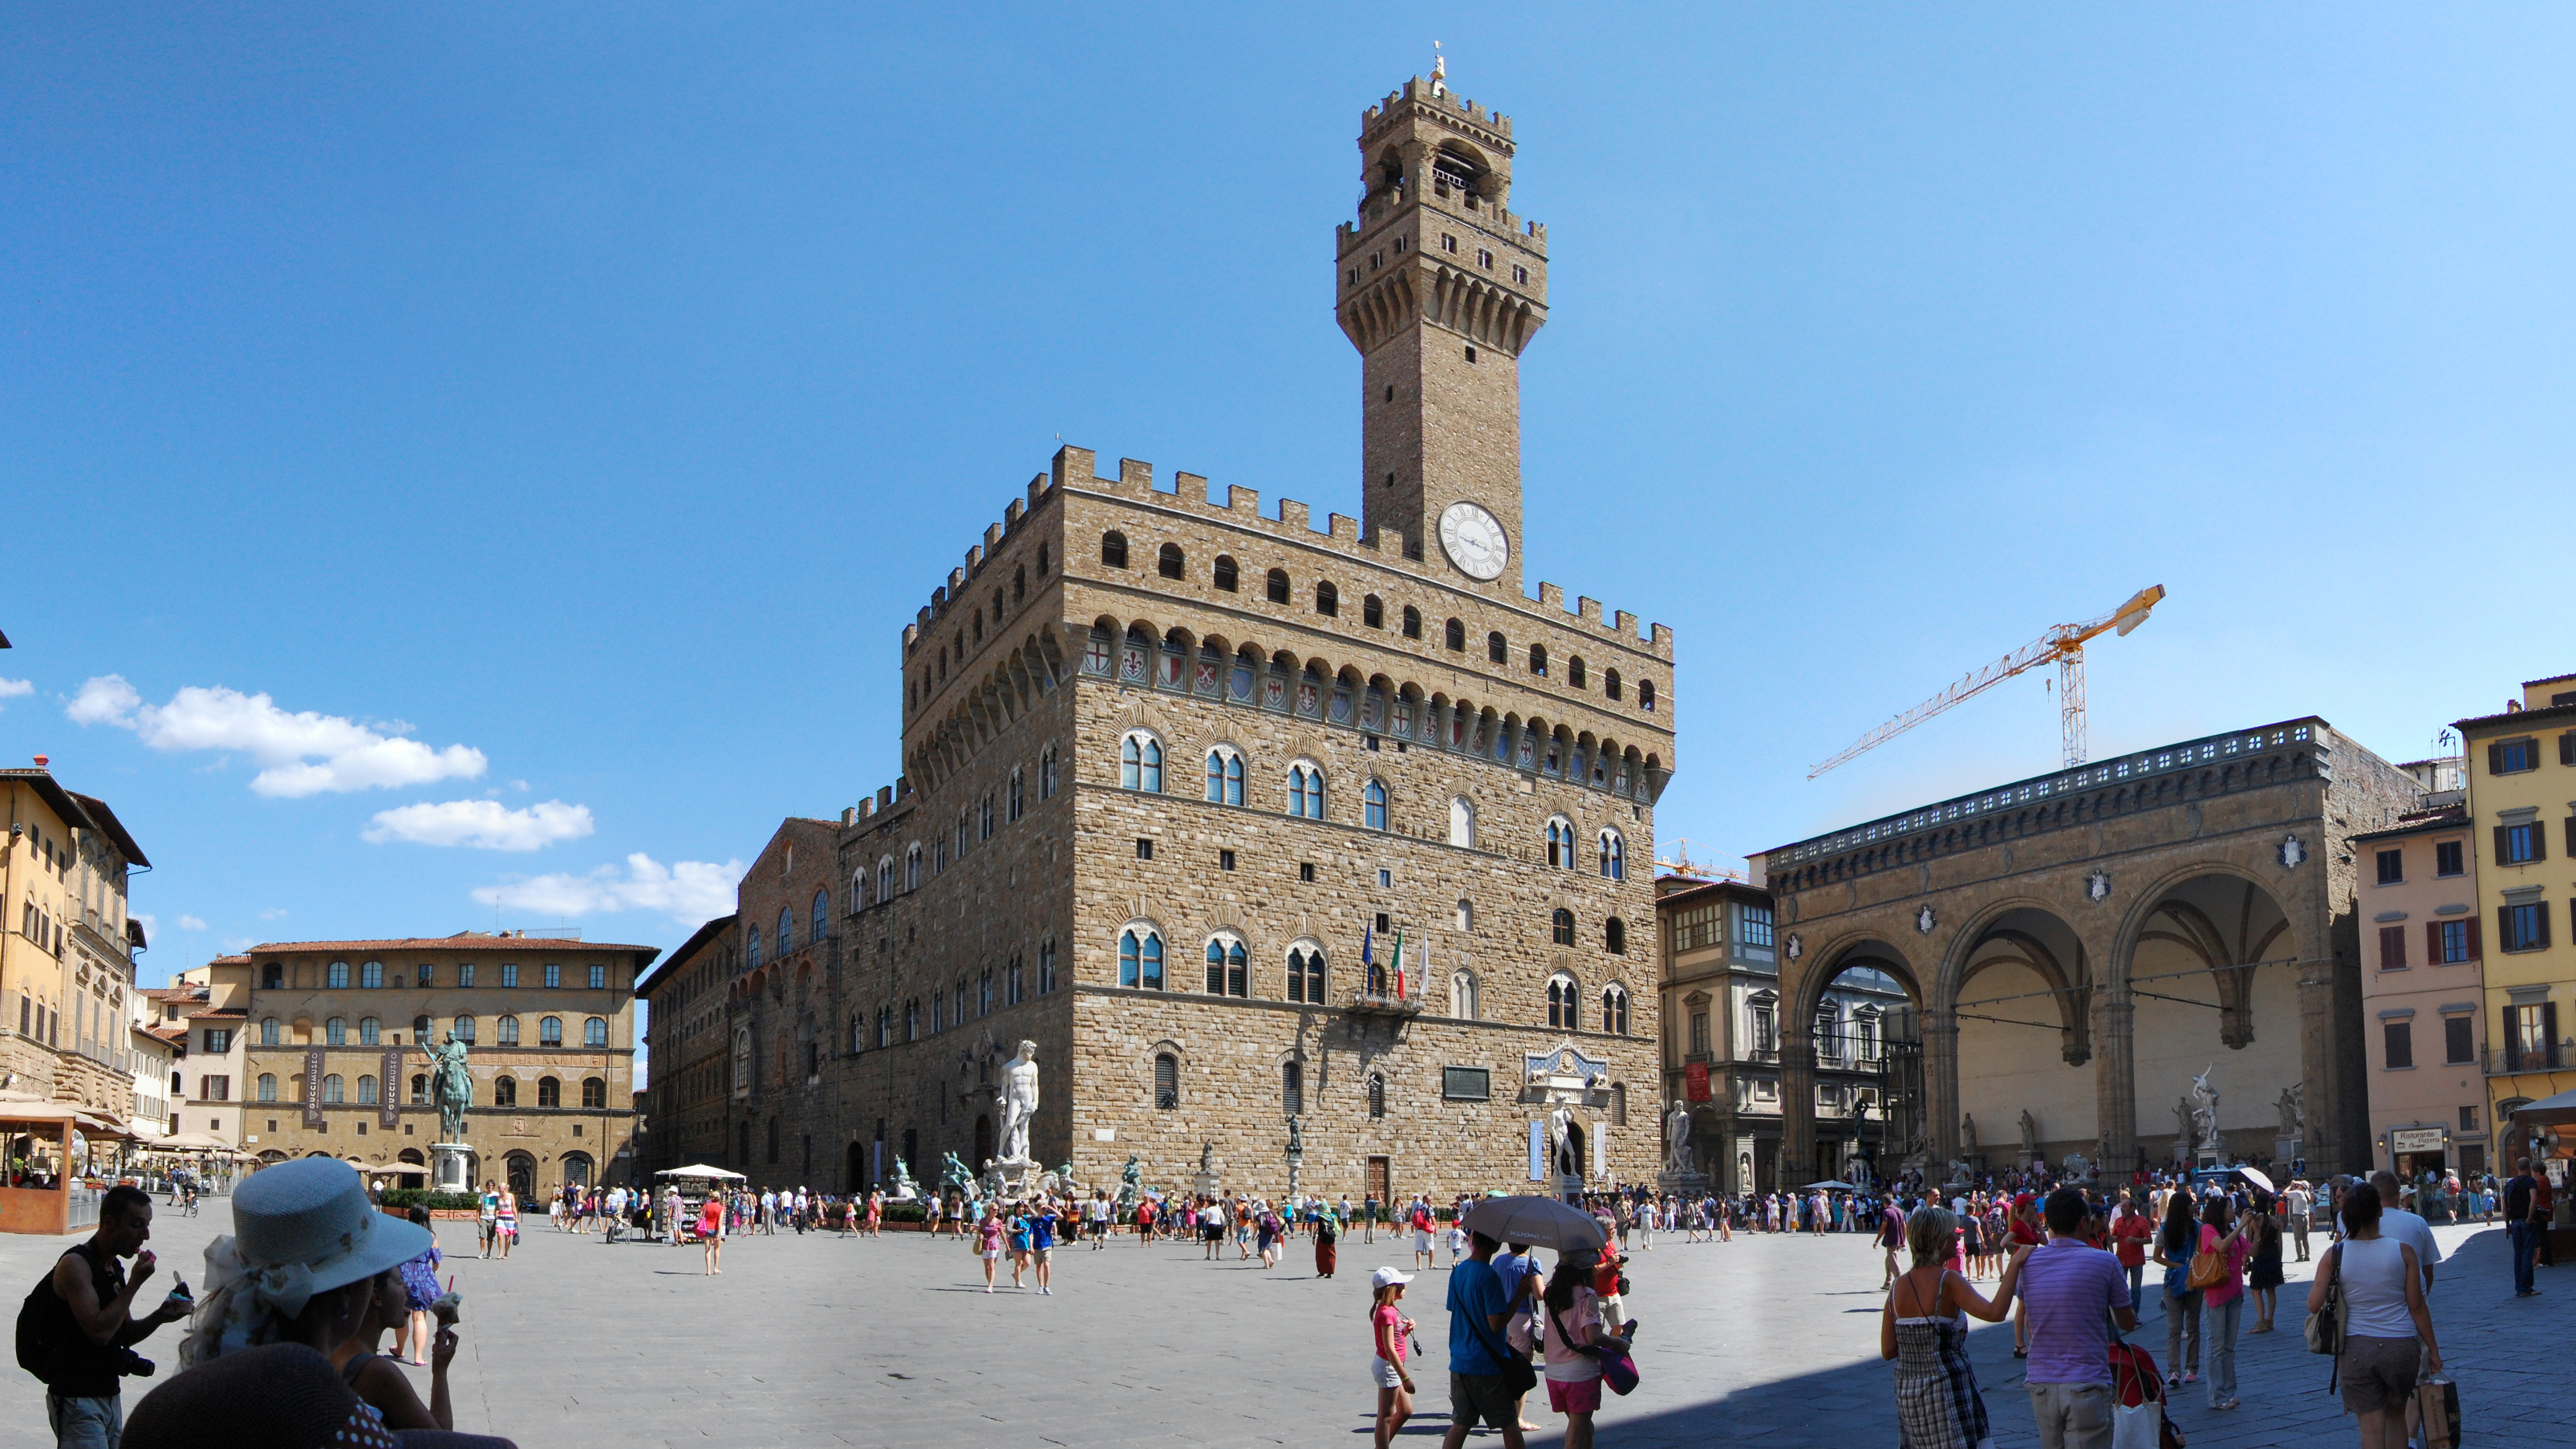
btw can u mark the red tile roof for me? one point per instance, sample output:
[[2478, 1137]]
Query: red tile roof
[[437, 945]]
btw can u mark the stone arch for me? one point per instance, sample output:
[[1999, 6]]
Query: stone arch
[[2187, 966]]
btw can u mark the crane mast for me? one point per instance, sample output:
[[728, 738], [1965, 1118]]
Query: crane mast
[[2062, 646]]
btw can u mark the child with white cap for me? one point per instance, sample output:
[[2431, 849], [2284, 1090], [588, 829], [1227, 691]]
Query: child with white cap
[[1389, 1332]]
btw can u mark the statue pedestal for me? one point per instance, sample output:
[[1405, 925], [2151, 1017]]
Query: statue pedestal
[[1569, 1188], [1689, 1185], [1205, 1184], [447, 1167], [2289, 1149], [1296, 1165]]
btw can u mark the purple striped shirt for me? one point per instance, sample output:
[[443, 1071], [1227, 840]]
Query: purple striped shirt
[[2068, 1291]]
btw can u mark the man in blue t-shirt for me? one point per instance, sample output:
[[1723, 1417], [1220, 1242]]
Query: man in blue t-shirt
[[1479, 1304], [1042, 1227]]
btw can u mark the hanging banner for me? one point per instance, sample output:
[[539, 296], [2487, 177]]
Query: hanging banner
[[1538, 1151], [1695, 1076], [312, 1086], [392, 1095]]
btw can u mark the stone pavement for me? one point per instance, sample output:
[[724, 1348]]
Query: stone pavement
[[823, 1340]]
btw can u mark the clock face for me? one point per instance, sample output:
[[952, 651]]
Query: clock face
[[1474, 541]]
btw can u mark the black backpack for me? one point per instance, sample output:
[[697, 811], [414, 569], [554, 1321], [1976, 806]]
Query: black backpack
[[44, 1323]]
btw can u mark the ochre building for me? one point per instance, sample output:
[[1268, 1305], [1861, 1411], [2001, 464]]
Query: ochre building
[[67, 957], [334, 1032], [1180, 772]]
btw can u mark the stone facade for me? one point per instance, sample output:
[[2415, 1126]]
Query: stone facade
[[546, 1111], [688, 1041], [67, 955], [1402, 744], [2207, 888]]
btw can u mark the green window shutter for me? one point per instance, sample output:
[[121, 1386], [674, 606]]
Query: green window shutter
[[2495, 759], [2501, 856]]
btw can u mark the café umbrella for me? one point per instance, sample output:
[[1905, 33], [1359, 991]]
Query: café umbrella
[[1539, 1221]]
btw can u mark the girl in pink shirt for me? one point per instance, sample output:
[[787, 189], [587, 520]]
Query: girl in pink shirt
[[1573, 1318], [2223, 1303], [1388, 1330]]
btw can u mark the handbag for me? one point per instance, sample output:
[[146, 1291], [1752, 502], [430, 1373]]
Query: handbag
[[1518, 1376], [2324, 1328], [2208, 1268], [2437, 1404], [1612, 1352]]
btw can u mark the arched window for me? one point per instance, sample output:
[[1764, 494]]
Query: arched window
[[1462, 822], [1377, 1095], [1496, 651], [594, 1092], [911, 882], [1561, 926], [1140, 958], [1306, 974], [1614, 1009], [371, 976], [1466, 915], [594, 1031], [366, 1091], [1016, 795], [333, 1089], [1306, 792], [1167, 561], [549, 1092], [1224, 776], [1167, 1082], [420, 1089], [885, 879], [1538, 659], [268, 1086], [1646, 694], [463, 1028], [751, 947], [822, 915], [1455, 636], [1462, 996], [1228, 973], [420, 1030], [371, 1032], [1574, 671], [550, 1031], [335, 1032], [1292, 1088], [268, 1031], [337, 975], [1612, 851], [1225, 573], [1412, 622], [1610, 682], [786, 932], [1046, 773], [1113, 549], [1278, 586], [1564, 1003], [1373, 611], [1373, 805], [506, 1031], [1560, 843], [1614, 936], [1046, 965], [505, 1091], [1140, 762]]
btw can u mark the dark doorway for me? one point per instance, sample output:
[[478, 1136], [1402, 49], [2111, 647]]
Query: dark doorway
[[856, 1179], [912, 1152], [983, 1141], [523, 1176]]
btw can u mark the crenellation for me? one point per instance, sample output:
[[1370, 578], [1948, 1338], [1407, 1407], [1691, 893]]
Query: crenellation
[[1589, 608], [993, 535], [1136, 475], [1663, 640], [1342, 527], [1626, 628], [1243, 500], [1074, 465], [1292, 514], [1551, 597], [1012, 515], [974, 563], [1190, 487]]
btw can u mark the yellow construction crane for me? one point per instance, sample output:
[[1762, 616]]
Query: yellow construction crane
[[2063, 645]]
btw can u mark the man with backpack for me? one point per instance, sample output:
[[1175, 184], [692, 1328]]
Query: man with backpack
[[77, 1326]]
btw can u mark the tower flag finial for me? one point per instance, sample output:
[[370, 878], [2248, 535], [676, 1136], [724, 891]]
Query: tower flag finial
[[1439, 69]]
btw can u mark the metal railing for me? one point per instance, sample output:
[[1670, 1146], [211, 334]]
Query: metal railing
[[2540, 1058]]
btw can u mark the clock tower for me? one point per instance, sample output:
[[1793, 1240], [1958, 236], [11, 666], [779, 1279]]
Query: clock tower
[[1439, 286]]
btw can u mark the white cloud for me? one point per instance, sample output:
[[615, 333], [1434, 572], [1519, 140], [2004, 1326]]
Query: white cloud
[[689, 891], [12, 688], [151, 924], [191, 923], [239, 943], [272, 913], [485, 824], [302, 754]]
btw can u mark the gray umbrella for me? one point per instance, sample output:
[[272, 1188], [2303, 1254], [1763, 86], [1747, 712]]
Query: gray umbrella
[[1540, 1221]]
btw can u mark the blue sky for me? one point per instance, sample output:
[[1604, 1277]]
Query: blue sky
[[473, 465]]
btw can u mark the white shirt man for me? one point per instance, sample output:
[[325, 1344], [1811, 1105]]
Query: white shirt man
[[2406, 1227]]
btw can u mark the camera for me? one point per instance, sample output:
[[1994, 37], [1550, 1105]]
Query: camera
[[132, 1365]]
